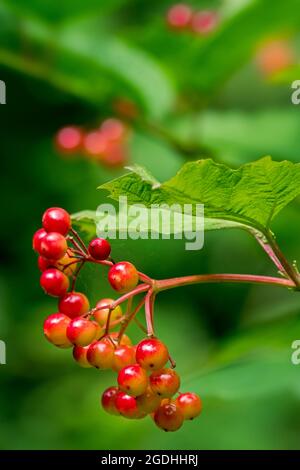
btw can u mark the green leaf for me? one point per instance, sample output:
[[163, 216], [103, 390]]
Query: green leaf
[[55, 12], [82, 59], [249, 197], [237, 39], [238, 136]]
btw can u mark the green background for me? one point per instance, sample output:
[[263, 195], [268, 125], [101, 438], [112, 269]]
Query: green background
[[66, 62]]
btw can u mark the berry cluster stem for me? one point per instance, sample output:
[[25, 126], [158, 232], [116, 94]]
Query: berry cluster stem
[[290, 279]]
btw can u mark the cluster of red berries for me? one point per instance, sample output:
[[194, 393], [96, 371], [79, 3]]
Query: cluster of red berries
[[181, 17], [145, 384], [147, 387], [106, 145]]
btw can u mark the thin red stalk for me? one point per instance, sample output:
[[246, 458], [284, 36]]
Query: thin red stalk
[[211, 278], [148, 313], [144, 278], [139, 324], [269, 251], [79, 239], [108, 321], [129, 318], [288, 268], [79, 249], [138, 290], [76, 274]]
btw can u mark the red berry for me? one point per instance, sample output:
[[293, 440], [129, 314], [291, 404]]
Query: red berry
[[113, 129], [115, 155], [123, 356], [113, 337], [95, 143], [99, 248], [102, 314], [190, 405], [204, 22], [275, 56], [74, 304], [123, 277], [126, 108], [152, 354], [127, 406], [81, 331], [37, 238], [165, 382], [56, 219], [133, 380], [149, 401], [54, 282], [44, 263], [53, 246], [168, 417], [108, 400], [55, 330], [80, 356], [69, 139], [179, 16], [100, 355]]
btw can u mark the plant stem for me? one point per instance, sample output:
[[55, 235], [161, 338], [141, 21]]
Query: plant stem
[[129, 318], [288, 268], [79, 239], [212, 278], [265, 244], [76, 275], [149, 313], [77, 246]]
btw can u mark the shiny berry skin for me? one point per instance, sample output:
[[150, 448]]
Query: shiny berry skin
[[204, 22], [44, 263], [55, 330], [108, 400], [127, 406], [179, 16], [102, 314], [168, 417], [100, 355], [190, 405], [54, 282], [165, 382], [37, 238], [74, 304], [64, 264], [113, 337], [53, 246], [123, 277], [69, 139], [149, 401], [99, 249], [133, 380], [152, 354], [123, 356], [57, 220], [81, 331], [80, 356]]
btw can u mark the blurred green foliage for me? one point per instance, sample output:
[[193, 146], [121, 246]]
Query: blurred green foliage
[[66, 62]]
